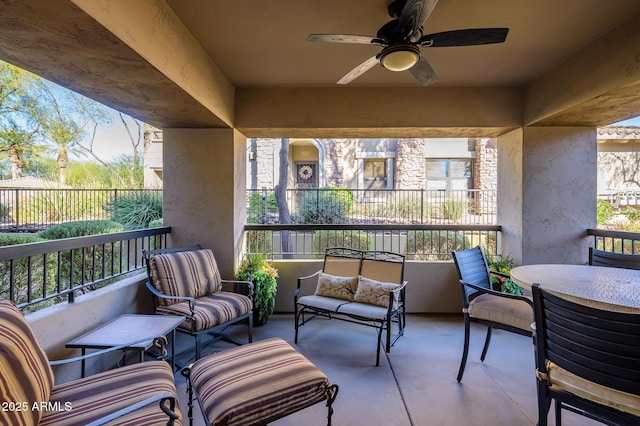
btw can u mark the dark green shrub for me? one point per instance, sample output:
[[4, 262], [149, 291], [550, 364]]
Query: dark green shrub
[[155, 223], [326, 205], [81, 229], [99, 261], [434, 244], [322, 240], [22, 269], [259, 207], [257, 269], [135, 210]]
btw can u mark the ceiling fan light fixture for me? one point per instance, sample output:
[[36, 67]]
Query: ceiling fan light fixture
[[399, 57]]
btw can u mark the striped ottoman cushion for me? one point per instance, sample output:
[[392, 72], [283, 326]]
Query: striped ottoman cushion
[[211, 310], [94, 397], [256, 383]]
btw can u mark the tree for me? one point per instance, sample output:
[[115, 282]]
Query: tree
[[281, 194]]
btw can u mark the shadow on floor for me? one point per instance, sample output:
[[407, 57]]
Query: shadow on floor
[[415, 384]]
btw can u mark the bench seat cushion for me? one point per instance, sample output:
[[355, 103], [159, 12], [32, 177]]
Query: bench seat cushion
[[330, 304], [256, 383], [96, 396], [210, 311], [363, 310]]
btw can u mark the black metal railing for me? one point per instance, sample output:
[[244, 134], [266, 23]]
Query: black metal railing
[[25, 209], [368, 206], [37, 275], [417, 242], [616, 241]]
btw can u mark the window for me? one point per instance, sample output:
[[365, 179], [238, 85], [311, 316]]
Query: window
[[449, 174], [375, 173]]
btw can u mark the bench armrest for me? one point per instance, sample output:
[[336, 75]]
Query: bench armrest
[[299, 285]]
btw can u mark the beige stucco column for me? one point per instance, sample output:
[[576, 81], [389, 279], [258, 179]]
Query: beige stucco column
[[547, 193], [205, 191]]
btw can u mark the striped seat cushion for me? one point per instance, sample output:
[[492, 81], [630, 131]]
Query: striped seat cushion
[[210, 311], [256, 383], [186, 273], [24, 368], [96, 396]]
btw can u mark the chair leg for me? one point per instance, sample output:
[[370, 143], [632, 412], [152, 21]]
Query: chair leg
[[197, 339], [250, 319], [558, 413], [332, 393], [544, 403], [486, 344], [465, 350]]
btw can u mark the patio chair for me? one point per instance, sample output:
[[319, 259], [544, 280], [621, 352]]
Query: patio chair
[[613, 260], [587, 360], [136, 395], [483, 304], [185, 281]]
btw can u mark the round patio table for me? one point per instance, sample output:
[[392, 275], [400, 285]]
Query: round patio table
[[612, 289]]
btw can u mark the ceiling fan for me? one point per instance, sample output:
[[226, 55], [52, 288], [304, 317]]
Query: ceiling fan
[[402, 37]]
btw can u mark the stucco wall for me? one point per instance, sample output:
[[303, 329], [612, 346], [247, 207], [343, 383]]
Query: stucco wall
[[432, 286]]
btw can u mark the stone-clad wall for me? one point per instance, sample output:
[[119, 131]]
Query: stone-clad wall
[[410, 165]]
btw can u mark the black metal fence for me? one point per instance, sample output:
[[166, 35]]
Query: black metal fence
[[37, 275], [360, 206], [25, 209], [417, 242], [615, 241]]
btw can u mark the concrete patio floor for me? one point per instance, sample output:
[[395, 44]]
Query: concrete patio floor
[[415, 384]]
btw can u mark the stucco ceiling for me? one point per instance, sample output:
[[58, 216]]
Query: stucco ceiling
[[263, 44], [226, 63]]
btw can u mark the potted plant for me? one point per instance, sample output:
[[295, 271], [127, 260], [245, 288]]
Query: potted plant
[[257, 269], [503, 267]]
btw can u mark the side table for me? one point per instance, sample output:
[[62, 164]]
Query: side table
[[129, 328]]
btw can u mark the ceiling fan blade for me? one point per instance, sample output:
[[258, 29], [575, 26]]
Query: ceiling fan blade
[[423, 72], [469, 37], [341, 38], [359, 70], [413, 15]]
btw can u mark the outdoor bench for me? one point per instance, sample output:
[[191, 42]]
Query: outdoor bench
[[362, 287]]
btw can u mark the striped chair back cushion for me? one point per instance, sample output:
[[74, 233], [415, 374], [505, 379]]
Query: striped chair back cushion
[[27, 377], [187, 273]]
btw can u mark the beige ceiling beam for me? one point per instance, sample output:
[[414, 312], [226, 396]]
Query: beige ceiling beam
[[151, 28], [374, 112], [597, 86]]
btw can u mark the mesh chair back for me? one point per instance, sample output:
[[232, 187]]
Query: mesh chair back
[[600, 346], [344, 262], [613, 260], [472, 268], [383, 266]]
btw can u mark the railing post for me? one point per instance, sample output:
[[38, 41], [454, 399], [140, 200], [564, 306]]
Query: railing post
[[422, 206], [17, 207]]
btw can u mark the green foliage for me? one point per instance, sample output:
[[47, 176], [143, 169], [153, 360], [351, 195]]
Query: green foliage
[[135, 210], [322, 240], [434, 244], [44, 206], [81, 229], [504, 265], [604, 212], [155, 223], [10, 239], [259, 241], [453, 210], [631, 213], [257, 269], [326, 205], [259, 208]]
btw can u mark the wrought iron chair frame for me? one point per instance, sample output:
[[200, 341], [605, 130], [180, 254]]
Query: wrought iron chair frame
[[217, 332], [613, 260], [597, 345], [470, 288]]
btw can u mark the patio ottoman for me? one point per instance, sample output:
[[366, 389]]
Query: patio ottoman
[[256, 383]]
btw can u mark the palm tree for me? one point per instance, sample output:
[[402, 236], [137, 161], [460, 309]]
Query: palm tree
[[63, 135]]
